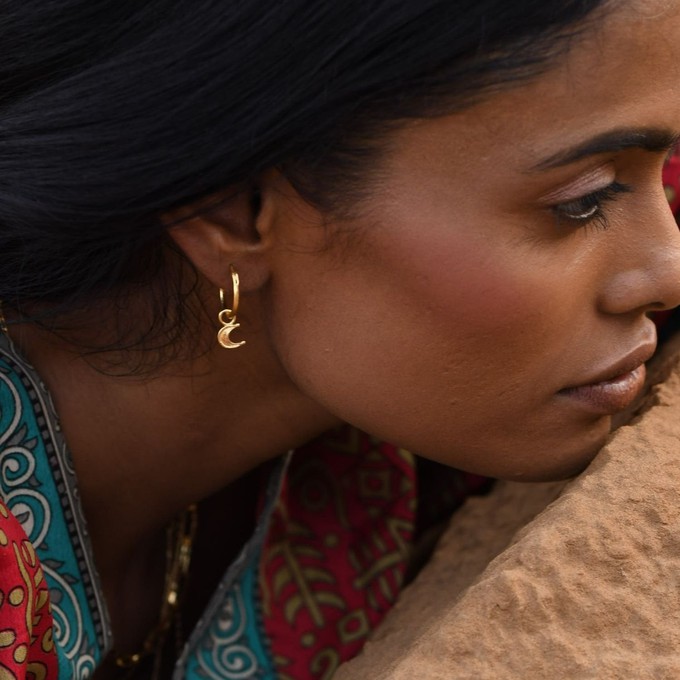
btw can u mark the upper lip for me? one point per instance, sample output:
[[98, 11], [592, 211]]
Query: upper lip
[[634, 359]]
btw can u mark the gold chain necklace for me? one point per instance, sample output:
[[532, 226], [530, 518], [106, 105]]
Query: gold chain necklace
[[179, 539]]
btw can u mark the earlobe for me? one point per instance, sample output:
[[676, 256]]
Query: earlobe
[[221, 231]]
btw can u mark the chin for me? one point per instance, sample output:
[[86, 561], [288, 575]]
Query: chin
[[558, 466]]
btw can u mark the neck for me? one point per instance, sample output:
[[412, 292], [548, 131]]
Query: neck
[[144, 449]]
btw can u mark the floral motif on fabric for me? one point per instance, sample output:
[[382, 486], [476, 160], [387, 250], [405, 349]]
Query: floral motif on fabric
[[36, 483], [334, 560], [325, 564], [26, 645]]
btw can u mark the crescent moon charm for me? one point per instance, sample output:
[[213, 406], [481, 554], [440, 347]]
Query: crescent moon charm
[[224, 333]]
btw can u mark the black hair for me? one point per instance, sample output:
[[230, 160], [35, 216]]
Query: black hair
[[114, 111]]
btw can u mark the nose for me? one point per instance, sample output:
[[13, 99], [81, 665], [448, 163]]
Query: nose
[[645, 270]]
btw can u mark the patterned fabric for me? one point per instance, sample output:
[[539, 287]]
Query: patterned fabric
[[324, 565], [335, 557], [26, 645], [228, 642], [37, 484], [671, 181], [234, 647], [667, 321]]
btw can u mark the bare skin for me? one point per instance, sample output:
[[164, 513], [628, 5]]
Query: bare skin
[[120, 478], [468, 296]]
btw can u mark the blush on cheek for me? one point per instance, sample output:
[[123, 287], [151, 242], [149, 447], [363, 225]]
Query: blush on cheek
[[484, 294]]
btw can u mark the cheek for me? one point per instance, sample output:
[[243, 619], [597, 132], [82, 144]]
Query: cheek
[[442, 320], [451, 346], [482, 294], [491, 301]]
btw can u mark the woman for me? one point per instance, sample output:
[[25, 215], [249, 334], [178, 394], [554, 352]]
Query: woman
[[440, 222]]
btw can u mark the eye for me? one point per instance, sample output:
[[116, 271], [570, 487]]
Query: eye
[[589, 208]]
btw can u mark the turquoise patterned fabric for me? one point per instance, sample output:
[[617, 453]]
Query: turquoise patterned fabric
[[231, 647], [228, 643], [37, 485]]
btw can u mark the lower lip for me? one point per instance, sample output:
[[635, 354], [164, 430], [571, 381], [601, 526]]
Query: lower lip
[[611, 396]]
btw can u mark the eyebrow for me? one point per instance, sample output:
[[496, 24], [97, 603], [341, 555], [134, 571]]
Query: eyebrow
[[654, 140]]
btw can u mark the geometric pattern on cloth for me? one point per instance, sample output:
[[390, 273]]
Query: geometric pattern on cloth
[[335, 557], [37, 483], [325, 563]]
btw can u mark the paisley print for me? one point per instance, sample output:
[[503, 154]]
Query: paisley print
[[325, 563], [232, 648], [37, 484]]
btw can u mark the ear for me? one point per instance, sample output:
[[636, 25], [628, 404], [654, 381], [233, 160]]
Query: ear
[[230, 228]]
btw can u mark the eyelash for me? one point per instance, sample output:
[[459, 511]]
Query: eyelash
[[589, 209]]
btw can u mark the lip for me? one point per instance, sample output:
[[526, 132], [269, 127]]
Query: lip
[[615, 388]]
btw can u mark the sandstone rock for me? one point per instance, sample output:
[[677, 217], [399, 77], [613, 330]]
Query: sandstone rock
[[554, 581]]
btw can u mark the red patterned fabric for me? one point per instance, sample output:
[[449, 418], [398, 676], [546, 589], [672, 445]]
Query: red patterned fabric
[[671, 181], [337, 550], [26, 647], [340, 541], [671, 184]]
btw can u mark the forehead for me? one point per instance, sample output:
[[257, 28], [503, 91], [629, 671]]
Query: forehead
[[651, 8], [623, 71]]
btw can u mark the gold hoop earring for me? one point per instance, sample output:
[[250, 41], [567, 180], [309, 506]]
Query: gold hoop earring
[[227, 316]]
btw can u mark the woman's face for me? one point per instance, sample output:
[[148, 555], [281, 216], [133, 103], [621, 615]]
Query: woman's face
[[508, 254]]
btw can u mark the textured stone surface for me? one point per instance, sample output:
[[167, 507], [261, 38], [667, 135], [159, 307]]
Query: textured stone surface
[[587, 587]]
